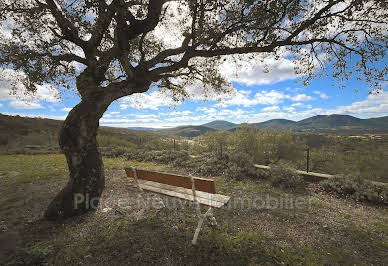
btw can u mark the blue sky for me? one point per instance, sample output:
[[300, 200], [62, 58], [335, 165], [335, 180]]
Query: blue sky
[[258, 97]]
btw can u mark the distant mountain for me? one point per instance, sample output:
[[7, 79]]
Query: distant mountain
[[330, 121], [278, 124], [143, 128], [186, 131], [220, 125], [379, 121], [25, 129], [340, 124]]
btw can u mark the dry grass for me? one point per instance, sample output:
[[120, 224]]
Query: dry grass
[[331, 231]]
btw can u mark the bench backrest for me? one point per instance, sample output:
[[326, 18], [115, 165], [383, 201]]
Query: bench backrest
[[201, 184]]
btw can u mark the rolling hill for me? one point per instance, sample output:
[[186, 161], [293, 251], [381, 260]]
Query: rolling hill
[[17, 132], [221, 125], [278, 124], [40, 131], [339, 124], [186, 131]]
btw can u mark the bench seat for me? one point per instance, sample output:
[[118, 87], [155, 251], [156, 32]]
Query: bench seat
[[204, 198], [202, 191]]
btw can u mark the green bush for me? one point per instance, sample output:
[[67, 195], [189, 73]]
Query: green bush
[[209, 165], [357, 188], [114, 152], [176, 158], [240, 165], [280, 176], [109, 141]]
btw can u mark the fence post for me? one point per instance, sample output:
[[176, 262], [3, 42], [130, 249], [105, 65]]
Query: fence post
[[307, 159], [174, 144]]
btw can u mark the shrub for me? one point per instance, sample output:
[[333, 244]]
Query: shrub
[[280, 176], [114, 152], [240, 165], [357, 188], [110, 141], [177, 158], [210, 165]]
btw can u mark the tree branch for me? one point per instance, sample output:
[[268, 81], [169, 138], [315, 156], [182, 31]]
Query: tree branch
[[69, 31]]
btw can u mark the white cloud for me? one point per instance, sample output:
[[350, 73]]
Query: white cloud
[[271, 108], [271, 97], [187, 112], [207, 110], [263, 69], [301, 97], [1, 104], [146, 116], [124, 106], [263, 97], [321, 94], [223, 114], [185, 118], [152, 101], [108, 121], [373, 104], [67, 109], [11, 88], [25, 105], [289, 109], [242, 98], [294, 89], [47, 93]]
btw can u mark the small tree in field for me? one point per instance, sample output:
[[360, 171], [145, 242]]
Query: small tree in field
[[108, 49]]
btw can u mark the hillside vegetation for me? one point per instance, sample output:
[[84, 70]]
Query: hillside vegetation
[[215, 151], [34, 135], [187, 131], [220, 124]]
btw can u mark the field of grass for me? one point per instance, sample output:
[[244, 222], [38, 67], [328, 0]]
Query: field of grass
[[327, 230]]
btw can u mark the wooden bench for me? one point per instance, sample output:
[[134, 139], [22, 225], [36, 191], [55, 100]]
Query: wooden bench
[[201, 191]]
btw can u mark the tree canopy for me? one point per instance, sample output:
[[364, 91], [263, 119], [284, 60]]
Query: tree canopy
[[121, 47]]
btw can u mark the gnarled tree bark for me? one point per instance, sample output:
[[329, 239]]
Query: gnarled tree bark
[[78, 142]]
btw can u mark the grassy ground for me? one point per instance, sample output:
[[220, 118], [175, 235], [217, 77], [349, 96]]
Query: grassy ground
[[327, 230]]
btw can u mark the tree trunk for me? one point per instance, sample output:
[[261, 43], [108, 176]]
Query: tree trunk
[[78, 142]]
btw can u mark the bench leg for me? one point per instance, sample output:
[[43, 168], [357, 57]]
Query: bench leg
[[202, 217], [158, 204], [213, 220], [200, 222]]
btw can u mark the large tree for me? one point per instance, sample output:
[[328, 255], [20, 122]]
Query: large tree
[[108, 49]]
